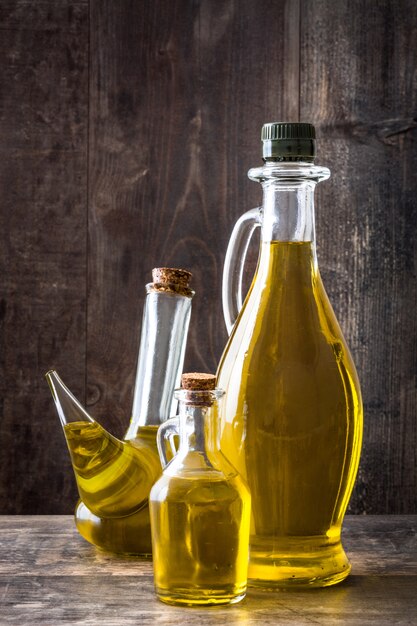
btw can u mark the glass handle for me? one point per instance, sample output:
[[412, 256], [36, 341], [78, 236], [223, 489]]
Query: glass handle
[[165, 434], [234, 264]]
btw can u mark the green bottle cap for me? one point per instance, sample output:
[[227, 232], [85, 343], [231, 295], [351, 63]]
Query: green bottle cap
[[284, 141]]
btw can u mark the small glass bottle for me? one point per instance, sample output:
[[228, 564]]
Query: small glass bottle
[[199, 508]]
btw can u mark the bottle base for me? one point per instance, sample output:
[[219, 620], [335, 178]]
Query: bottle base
[[304, 564], [124, 536], [198, 597]]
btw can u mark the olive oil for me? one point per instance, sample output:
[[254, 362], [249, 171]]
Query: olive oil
[[114, 479], [201, 527], [292, 420], [200, 507]]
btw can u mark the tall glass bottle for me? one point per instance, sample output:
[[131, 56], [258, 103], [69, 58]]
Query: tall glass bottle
[[292, 417], [161, 356]]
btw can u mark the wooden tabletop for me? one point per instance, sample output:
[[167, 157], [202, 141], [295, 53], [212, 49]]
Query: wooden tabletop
[[49, 575]]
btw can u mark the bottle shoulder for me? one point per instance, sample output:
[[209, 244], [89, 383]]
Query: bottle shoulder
[[194, 463], [287, 318], [192, 484]]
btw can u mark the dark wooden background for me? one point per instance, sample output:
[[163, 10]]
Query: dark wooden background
[[126, 131]]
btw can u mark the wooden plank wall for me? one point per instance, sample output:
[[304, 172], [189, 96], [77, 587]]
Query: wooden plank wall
[[43, 252], [127, 129], [359, 86]]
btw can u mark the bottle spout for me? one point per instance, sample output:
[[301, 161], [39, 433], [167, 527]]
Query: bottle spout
[[67, 406], [113, 477]]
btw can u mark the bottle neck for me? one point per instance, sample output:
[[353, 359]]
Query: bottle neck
[[199, 431], [288, 200], [288, 211], [165, 324]]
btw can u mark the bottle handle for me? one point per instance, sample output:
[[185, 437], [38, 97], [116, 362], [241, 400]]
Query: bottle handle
[[234, 264], [166, 433]]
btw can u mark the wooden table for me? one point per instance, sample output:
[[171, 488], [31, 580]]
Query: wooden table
[[49, 575]]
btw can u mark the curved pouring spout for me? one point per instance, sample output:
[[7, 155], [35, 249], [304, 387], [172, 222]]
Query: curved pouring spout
[[113, 477], [67, 406]]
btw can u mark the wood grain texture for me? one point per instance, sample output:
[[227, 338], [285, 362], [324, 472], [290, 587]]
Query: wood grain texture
[[43, 121], [127, 129], [50, 575], [363, 98], [179, 90]]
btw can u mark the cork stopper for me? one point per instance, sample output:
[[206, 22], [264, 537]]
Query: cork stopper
[[196, 381], [199, 387], [172, 280]]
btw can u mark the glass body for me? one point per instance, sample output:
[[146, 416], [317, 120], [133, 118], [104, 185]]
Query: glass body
[[114, 477], [200, 514], [291, 421]]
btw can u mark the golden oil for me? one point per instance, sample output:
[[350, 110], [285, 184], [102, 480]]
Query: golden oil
[[200, 534], [200, 507], [114, 479], [291, 421]]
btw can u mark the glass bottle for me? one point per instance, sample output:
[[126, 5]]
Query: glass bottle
[[291, 422], [115, 477], [200, 507]]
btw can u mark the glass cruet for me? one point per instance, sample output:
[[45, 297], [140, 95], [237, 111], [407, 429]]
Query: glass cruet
[[291, 420], [114, 477], [200, 507]]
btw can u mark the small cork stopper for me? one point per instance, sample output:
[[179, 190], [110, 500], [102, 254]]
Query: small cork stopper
[[198, 388], [198, 382], [172, 280]]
